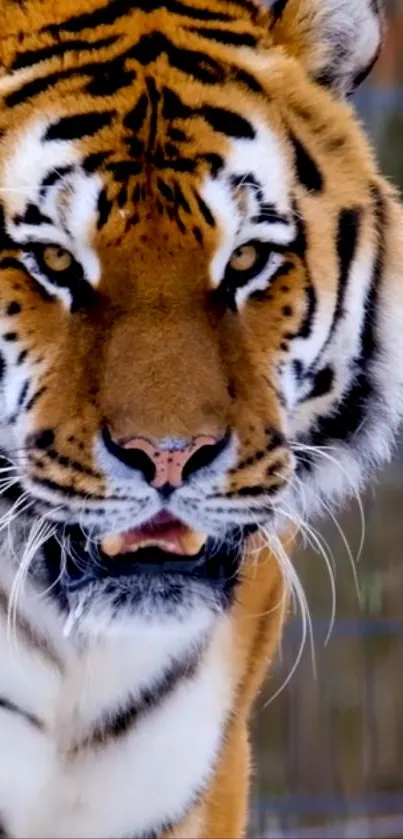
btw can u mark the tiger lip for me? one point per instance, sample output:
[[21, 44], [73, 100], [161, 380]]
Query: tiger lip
[[163, 532]]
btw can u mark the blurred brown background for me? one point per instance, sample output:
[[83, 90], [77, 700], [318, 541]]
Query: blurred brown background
[[329, 750]]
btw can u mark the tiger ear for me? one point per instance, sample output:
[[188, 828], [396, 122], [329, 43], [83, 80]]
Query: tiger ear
[[338, 41]]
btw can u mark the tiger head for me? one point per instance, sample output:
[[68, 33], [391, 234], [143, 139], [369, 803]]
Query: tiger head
[[200, 314]]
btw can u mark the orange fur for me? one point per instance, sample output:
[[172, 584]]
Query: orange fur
[[199, 368]]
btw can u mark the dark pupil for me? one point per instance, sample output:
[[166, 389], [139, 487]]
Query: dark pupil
[[60, 254]]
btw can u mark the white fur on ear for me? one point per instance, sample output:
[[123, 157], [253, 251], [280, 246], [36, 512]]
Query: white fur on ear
[[353, 31], [338, 41]]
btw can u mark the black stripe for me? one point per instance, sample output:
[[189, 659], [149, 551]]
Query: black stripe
[[124, 169], [3, 834], [353, 410], [38, 86], [95, 69], [322, 383], [35, 398], [135, 118], [305, 330], [29, 57], [31, 638], [244, 78], [22, 356], [227, 122], [79, 125], [347, 239], [278, 8], [11, 262], [214, 161], [6, 705], [115, 9], [94, 161], [71, 492], [116, 725], [268, 213], [194, 63], [225, 36], [104, 209], [154, 97], [309, 174], [32, 216], [23, 395], [173, 107], [300, 247], [63, 460], [248, 491], [5, 240], [54, 176], [248, 6], [110, 76], [204, 209]]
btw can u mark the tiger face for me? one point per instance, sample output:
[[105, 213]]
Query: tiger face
[[198, 331]]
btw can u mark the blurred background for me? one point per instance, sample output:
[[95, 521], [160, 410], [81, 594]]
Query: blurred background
[[329, 750]]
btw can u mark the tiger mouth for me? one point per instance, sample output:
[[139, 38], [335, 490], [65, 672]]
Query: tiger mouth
[[164, 547], [163, 533]]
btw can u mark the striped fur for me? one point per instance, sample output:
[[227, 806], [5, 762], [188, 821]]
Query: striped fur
[[151, 141]]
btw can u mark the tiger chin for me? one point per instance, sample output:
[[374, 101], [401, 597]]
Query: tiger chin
[[201, 343]]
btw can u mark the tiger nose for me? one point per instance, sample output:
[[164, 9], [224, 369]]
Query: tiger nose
[[165, 466]]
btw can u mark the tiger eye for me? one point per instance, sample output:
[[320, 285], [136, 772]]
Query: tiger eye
[[57, 259], [244, 258]]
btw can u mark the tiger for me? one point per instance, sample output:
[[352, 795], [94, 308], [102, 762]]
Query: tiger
[[201, 343]]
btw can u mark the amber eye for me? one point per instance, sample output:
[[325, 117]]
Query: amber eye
[[57, 259], [245, 258]]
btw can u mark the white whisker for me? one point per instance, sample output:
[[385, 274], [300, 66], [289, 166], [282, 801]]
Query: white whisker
[[297, 594]]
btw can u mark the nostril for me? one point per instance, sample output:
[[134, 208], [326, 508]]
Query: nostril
[[205, 456], [132, 457]]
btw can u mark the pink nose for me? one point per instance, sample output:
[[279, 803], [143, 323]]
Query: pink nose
[[173, 466]]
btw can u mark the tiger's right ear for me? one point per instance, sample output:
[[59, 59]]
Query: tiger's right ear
[[337, 41]]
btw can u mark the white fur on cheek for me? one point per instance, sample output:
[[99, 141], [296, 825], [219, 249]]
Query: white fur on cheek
[[28, 164]]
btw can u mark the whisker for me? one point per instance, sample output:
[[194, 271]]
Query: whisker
[[323, 451], [39, 533], [297, 593]]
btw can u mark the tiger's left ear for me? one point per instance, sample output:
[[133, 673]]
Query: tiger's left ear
[[337, 41]]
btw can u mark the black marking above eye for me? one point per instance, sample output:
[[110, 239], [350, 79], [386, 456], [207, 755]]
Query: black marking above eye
[[227, 122], [32, 216], [104, 209], [79, 125], [54, 176]]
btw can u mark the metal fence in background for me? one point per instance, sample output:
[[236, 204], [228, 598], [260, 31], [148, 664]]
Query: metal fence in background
[[328, 751]]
